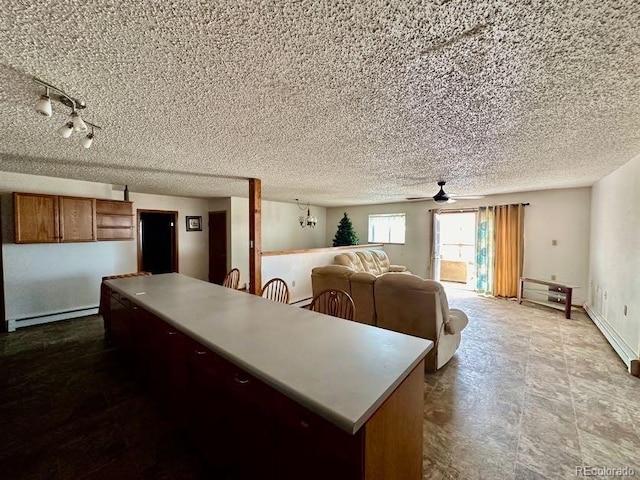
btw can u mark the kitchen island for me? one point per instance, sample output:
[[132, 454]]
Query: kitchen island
[[269, 390]]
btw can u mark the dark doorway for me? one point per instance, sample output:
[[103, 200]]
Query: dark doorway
[[217, 246], [157, 242]]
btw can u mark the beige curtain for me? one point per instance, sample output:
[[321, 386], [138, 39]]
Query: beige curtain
[[509, 249]]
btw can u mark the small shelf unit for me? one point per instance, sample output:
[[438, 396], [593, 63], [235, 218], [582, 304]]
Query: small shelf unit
[[114, 220]]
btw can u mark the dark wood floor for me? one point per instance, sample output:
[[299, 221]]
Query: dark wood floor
[[70, 409]]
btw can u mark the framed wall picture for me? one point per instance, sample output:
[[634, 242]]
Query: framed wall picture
[[194, 224]]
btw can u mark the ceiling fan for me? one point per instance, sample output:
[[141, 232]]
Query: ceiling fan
[[442, 197]]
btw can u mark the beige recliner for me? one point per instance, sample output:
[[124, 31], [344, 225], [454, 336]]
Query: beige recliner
[[409, 304]]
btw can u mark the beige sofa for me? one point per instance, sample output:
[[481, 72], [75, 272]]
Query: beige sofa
[[403, 303], [355, 273], [375, 262]]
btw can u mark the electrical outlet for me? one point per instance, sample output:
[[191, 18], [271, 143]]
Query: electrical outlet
[[553, 277], [293, 283], [554, 243], [605, 294], [625, 310]]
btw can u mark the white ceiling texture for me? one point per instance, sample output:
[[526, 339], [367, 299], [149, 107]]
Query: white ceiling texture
[[333, 102]]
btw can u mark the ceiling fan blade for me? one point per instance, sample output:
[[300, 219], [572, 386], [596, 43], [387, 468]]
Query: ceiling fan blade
[[467, 197]]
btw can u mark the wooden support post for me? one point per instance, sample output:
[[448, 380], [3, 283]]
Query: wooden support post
[[255, 236]]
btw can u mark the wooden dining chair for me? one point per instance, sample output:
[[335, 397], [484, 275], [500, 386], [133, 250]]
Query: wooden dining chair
[[232, 280], [336, 303], [277, 290]]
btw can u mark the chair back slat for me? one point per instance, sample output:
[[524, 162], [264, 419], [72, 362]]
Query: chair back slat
[[336, 303], [232, 280], [277, 290]]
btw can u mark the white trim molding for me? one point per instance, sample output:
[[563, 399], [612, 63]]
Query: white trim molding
[[621, 347]]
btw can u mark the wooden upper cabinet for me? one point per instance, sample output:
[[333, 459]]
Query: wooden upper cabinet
[[77, 219], [53, 219], [36, 218]]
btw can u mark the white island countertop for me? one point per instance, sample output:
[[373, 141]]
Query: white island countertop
[[339, 369]]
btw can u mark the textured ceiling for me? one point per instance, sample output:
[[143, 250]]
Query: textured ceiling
[[332, 102]]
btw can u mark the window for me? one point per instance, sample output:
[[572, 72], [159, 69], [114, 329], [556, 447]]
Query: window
[[387, 228]]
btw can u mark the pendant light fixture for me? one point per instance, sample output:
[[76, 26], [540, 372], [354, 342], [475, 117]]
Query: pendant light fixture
[[308, 221], [75, 122]]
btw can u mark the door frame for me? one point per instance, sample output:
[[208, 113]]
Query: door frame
[[4, 327], [175, 235], [435, 249]]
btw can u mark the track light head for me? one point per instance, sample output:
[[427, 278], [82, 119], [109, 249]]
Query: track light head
[[78, 123], [87, 141], [66, 130], [43, 106]]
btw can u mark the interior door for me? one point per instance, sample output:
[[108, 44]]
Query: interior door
[[157, 242], [217, 246]]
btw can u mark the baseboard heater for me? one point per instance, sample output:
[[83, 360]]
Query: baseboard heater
[[624, 351], [15, 323], [305, 302]]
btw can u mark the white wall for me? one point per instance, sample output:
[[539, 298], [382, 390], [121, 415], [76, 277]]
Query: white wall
[[43, 279], [562, 215], [280, 231], [615, 252]]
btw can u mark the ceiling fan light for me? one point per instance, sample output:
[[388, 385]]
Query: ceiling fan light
[[78, 123], [66, 130], [87, 141], [43, 106]]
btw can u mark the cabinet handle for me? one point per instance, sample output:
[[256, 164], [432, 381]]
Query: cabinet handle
[[241, 381], [172, 333], [304, 424], [200, 352]]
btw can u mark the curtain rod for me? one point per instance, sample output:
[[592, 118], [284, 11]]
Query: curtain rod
[[469, 209]]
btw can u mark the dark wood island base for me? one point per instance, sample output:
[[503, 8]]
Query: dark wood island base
[[245, 428]]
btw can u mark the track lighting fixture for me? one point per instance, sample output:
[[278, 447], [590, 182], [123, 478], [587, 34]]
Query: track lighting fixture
[[75, 122]]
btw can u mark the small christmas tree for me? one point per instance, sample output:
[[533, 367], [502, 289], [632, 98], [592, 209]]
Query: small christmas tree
[[345, 235]]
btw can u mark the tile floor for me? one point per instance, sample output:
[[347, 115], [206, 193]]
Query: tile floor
[[529, 395]]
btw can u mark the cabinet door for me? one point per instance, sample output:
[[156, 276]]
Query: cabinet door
[[120, 324], [77, 219], [36, 218], [208, 406], [309, 447]]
